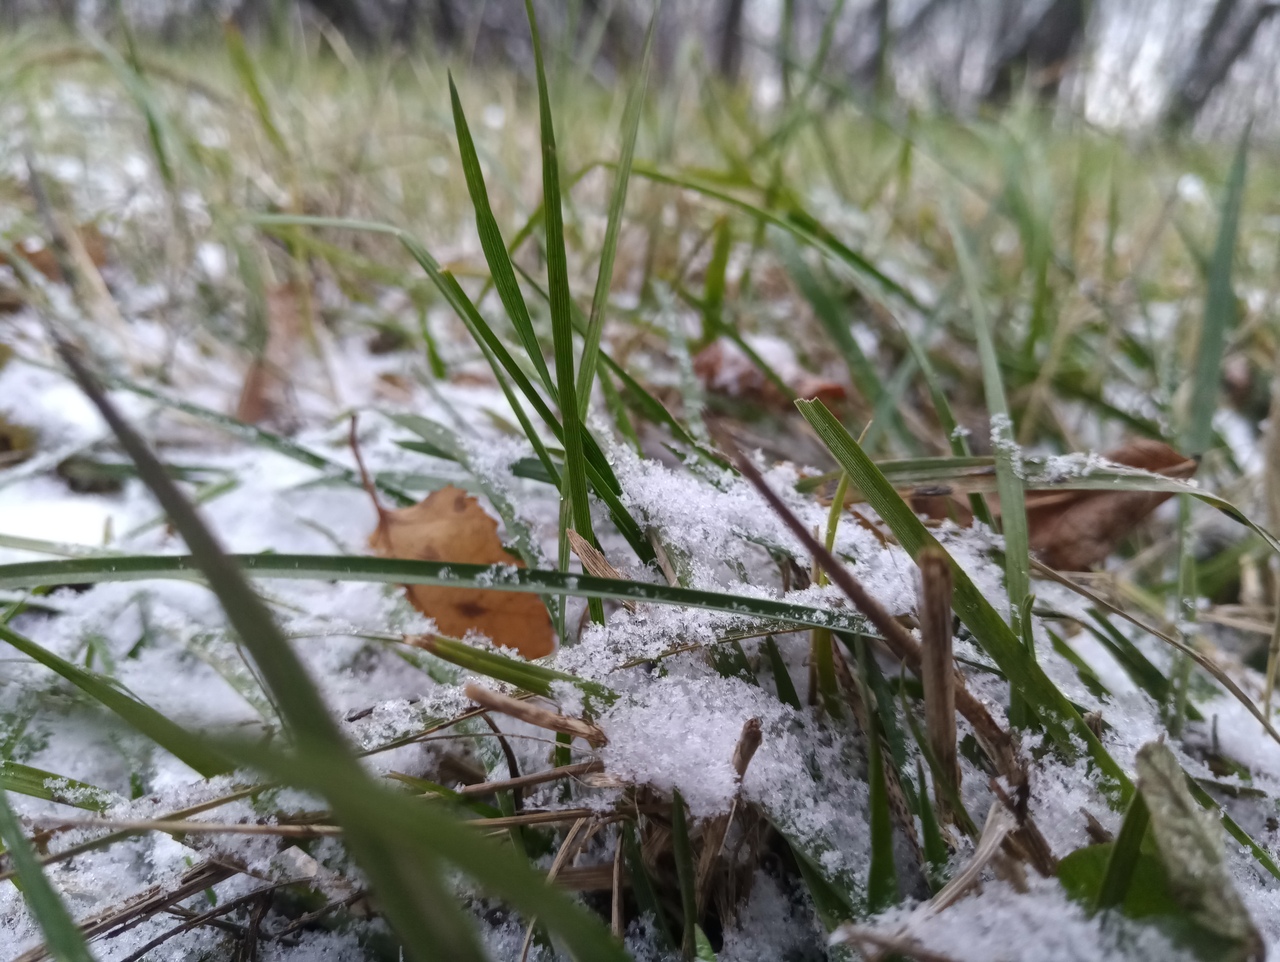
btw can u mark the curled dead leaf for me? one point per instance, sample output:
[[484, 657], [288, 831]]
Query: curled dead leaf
[[1075, 530], [450, 525]]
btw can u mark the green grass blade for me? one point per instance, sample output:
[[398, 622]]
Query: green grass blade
[[173, 738], [437, 573], [1013, 513], [882, 875], [410, 890], [617, 202], [642, 883], [37, 783], [1219, 311], [515, 671], [574, 488], [1123, 857], [247, 73], [62, 936], [495, 250]]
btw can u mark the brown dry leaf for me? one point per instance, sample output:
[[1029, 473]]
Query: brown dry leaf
[[1075, 530], [723, 368], [450, 525], [40, 256], [265, 394], [87, 249]]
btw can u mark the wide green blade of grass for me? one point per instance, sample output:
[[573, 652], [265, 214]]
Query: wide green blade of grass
[[436, 573], [574, 485], [495, 250]]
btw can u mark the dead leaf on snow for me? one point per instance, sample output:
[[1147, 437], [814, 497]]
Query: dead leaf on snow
[[450, 525], [40, 256], [1075, 530]]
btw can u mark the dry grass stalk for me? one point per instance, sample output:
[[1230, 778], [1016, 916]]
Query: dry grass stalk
[[143, 906], [616, 919], [573, 843], [535, 715], [536, 778], [938, 674], [594, 561], [875, 946], [717, 828]]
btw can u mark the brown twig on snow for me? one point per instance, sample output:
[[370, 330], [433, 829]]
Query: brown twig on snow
[[534, 715], [717, 828], [938, 673]]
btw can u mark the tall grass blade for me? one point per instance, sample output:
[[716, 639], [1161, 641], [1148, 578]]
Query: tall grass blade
[[683, 852], [495, 250], [1123, 858], [1219, 311], [617, 203], [574, 488], [247, 73], [411, 890], [1013, 514]]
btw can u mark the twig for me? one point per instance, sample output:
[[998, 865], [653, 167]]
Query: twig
[[202, 919], [536, 778], [717, 828], [938, 673], [533, 715]]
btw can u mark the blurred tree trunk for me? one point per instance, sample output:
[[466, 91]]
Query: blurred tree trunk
[[729, 40], [1227, 36], [623, 37], [349, 19], [873, 70], [1041, 51]]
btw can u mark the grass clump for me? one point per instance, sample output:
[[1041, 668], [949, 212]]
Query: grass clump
[[739, 731]]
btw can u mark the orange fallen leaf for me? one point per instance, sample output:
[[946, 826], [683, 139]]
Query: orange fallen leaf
[[40, 256], [1075, 530], [449, 525]]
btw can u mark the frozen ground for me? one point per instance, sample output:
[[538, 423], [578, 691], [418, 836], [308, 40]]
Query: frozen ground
[[166, 643]]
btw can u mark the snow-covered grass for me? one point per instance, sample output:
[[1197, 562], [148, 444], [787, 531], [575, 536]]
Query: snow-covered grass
[[733, 757]]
